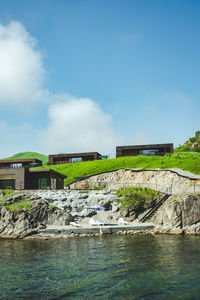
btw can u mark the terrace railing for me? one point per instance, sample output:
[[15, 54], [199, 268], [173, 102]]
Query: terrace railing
[[95, 185]]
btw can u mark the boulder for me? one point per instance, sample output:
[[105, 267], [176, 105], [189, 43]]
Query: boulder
[[58, 217], [87, 213], [16, 224], [180, 212], [39, 211]]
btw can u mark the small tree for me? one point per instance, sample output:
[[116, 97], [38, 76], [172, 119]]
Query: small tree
[[197, 133]]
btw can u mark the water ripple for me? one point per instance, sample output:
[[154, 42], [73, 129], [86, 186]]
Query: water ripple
[[112, 267]]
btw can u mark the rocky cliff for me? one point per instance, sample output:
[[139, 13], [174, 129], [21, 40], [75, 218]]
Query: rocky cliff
[[56, 208], [179, 214], [21, 222], [170, 181]]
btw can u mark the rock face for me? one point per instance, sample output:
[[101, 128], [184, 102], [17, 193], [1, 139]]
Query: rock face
[[75, 203], [21, 223], [16, 224], [170, 181], [180, 213], [56, 208]]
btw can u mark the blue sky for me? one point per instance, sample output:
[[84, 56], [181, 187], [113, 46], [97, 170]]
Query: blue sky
[[90, 75]]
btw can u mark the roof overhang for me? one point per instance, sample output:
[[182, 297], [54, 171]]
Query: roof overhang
[[46, 171]]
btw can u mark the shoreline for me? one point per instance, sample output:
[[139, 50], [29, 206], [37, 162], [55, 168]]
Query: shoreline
[[91, 231]]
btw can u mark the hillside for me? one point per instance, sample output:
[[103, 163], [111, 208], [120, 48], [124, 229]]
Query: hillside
[[189, 161], [26, 155], [193, 144]]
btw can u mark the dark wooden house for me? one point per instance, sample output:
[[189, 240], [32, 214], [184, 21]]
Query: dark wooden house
[[154, 149], [16, 174], [20, 163], [64, 158]]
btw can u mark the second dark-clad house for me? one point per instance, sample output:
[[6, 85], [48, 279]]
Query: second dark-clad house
[[65, 158], [153, 149]]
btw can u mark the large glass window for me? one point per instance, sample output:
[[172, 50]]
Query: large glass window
[[7, 184], [16, 165], [151, 152], [75, 159]]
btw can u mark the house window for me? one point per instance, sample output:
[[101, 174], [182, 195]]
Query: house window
[[16, 165], [7, 184], [75, 159], [150, 152]]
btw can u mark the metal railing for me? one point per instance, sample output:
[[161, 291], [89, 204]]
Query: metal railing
[[109, 186]]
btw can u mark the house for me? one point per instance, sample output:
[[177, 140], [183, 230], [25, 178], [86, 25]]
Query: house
[[64, 158], [20, 163], [15, 174], [154, 149]]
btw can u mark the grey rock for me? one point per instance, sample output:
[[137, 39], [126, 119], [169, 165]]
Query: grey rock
[[115, 208], [87, 213], [39, 211], [16, 224], [181, 211], [58, 217]]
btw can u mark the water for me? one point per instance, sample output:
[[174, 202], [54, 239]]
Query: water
[[112, 267]]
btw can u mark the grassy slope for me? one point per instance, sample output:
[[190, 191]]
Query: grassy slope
[[24, 155], [189, 161]]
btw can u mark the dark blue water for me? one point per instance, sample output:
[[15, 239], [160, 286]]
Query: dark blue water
[[113, 267]]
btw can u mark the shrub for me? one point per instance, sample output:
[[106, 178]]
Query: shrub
[[136, 197], [197, 133], [99, 187]]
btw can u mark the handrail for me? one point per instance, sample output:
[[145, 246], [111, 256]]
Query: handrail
[[110, 185], [154, 208]]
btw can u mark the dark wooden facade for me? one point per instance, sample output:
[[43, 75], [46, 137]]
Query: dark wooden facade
[[20, 163], [154, 149], [55, 159], [54, 180], [23, 178]]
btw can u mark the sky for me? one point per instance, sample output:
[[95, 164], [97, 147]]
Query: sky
[[90, 75]]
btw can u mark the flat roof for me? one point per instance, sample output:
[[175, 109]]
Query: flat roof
[[74, 154], [146, 146], [19, 160], [46, 170]]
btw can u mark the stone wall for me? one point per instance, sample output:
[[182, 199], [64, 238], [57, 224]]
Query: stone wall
[[171, 181]]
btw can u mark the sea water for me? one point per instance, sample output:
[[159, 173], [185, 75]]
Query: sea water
[[110, 267]]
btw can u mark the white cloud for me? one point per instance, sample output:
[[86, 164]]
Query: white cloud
[[78, 124], [21, 69], [74, 124]]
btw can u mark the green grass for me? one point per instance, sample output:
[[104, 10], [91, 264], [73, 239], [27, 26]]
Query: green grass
[[193, 144], [135, 197], [27, 155], [7, 192], [24, 203], [189, 161]]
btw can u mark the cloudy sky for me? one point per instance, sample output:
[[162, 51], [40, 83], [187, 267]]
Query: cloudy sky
[[88, 75]]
